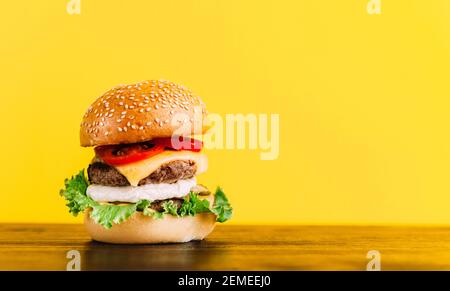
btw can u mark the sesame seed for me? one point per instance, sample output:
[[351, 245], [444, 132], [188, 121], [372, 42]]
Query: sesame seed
[[119, 129]]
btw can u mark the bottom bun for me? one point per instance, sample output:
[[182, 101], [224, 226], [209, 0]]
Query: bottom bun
[[141, 229]]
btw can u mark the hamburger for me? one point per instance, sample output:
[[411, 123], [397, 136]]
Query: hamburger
[[141, 185]]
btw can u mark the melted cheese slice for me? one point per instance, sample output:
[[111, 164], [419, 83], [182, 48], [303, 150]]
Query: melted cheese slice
[[137, 171]]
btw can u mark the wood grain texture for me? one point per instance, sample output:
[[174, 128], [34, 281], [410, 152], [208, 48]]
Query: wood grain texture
[[44, 247]]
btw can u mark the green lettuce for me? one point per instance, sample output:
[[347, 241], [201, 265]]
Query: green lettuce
[[153, 213], [109, 214], [75, 194], [170, 208], [221, 208], [192, 205]]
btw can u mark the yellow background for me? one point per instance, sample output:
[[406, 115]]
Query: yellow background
[[364, 100]]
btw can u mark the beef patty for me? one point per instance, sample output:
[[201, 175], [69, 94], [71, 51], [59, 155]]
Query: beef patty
[[103, 174]]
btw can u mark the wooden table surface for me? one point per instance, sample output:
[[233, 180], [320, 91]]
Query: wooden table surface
[[45, 246]]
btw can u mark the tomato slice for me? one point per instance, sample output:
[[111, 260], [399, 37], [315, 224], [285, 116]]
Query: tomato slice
[[180, 143], [116, 155]]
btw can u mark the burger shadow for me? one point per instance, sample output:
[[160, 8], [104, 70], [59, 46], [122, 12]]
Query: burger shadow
[[194, 255]]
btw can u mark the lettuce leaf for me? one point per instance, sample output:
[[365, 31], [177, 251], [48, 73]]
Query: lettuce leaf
[[75, 194], [153, 213], [192, 205], [170, 208], [143, 204], [109, 214], [221, 208]]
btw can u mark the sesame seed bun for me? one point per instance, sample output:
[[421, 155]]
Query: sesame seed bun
[[141, 112], [141, 229]]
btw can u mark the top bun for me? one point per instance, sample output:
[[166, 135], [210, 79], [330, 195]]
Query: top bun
[[141, 112]]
